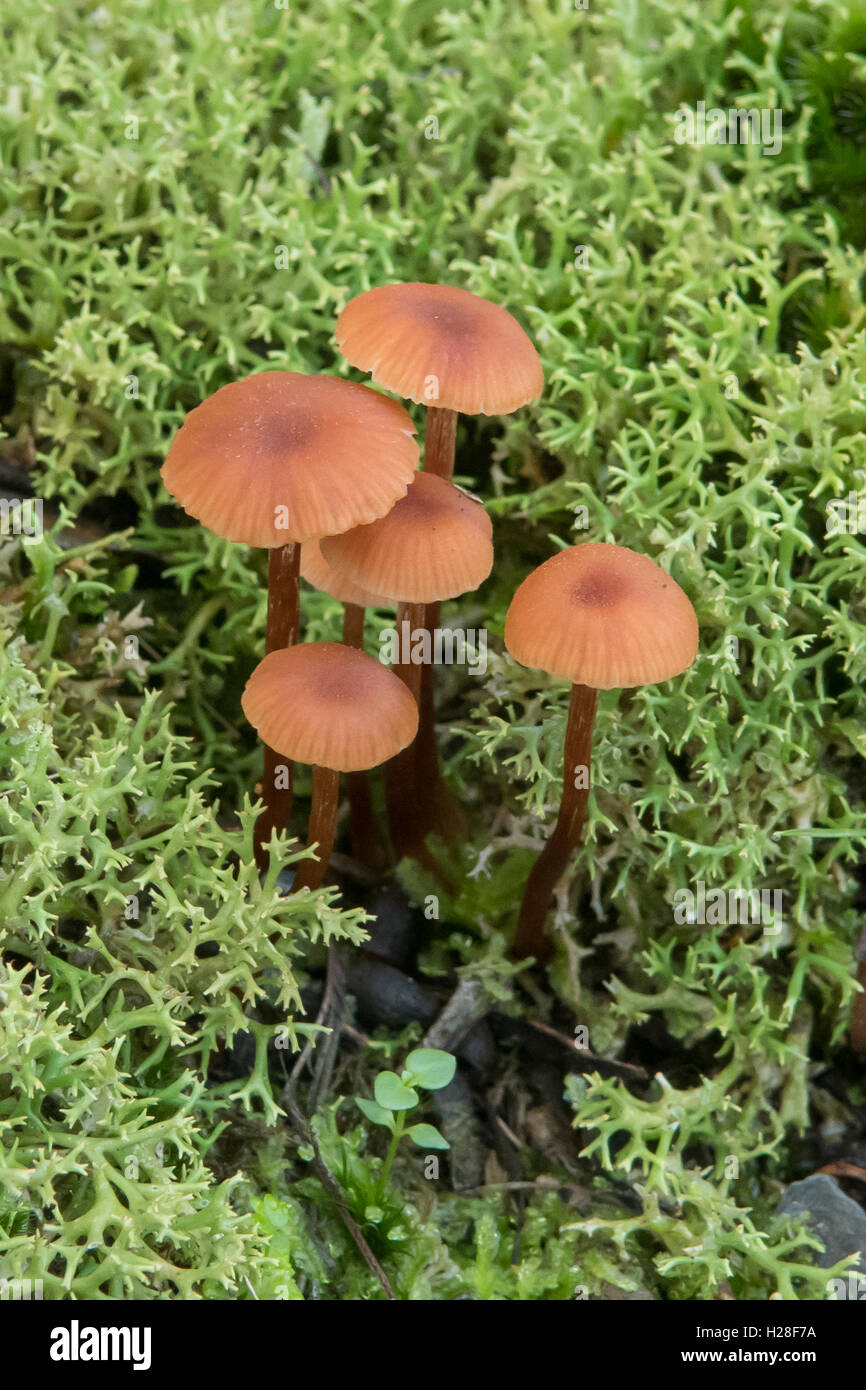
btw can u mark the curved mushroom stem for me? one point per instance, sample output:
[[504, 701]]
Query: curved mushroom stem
[[435, 807], [365, 847], [400, 771], [553, 860], [323, 824], [284, 564]]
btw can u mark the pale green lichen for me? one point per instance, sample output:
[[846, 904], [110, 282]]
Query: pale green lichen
[[164, 230]]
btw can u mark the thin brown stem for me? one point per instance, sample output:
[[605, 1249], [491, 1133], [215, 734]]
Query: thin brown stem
[[400, 771], [365, 845], [553, 860], [282, 631], [410, 624], [440, 434], [284, 572], [323, 824], [435, 807], [353, 625]]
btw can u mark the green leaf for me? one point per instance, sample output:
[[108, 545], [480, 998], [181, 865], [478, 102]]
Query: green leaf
[[377, 1113], [430, 1068], [392, 1094], [427, 1137]]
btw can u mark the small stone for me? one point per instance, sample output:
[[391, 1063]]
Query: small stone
[[395, 932], [386, 997], [837, 1220]]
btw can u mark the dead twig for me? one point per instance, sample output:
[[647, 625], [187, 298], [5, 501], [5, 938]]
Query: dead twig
[[509, 1133], [841, 1169], [307, 1133], [326, 1052], [466, 1006], [627, 1067], [334, 985]]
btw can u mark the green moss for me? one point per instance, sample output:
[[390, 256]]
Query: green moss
[[190, 195]]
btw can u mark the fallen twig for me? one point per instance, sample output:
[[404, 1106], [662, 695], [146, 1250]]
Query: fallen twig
[[592, 1056], [466, 1006], [308, 1134]]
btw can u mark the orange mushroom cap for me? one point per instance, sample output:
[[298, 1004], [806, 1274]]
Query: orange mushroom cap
[[316, 570], [435, 543], [282, 457], [441, 346], [326, 704], [603, 616]]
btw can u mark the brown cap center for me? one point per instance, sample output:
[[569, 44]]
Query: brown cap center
[[599, 589], [452, 319], [288, 431]]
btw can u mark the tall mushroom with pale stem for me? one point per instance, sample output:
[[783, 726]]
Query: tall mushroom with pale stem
[[434, 544], [602, 617], [278, 459], [336, 709], [455, 353]]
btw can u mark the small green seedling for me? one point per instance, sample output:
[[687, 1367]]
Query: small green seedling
[[426, 1069]]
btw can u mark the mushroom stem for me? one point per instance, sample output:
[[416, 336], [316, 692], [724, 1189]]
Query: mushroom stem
[[323, 823], [400, 771], [410, 621], [440, 434], [284, 574], [353, 625], [365, 847], [284, 563], [553, 860], [436, 808]]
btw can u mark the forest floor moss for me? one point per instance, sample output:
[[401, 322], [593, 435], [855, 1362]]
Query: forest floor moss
[[190, 194]]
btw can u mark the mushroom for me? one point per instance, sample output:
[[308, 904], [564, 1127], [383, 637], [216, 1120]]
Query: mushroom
[[355, 600], [453, 352], [444, 348], [322, 576], [602, 617], [434, 544], [337, 709], [278, 459]]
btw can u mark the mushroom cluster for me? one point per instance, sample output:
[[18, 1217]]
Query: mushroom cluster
[[456, 354], [323, 473], [277, 460]]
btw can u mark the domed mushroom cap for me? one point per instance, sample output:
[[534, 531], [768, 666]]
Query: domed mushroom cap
[[441, 346], [316, 570], [435, 543], [281, 457], [603, 616], [326, 704]]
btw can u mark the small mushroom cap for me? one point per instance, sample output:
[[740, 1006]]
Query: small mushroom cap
[[281, 457], [326, 704], [316, 570], [435, 543], [441, 346], [603, 616]]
